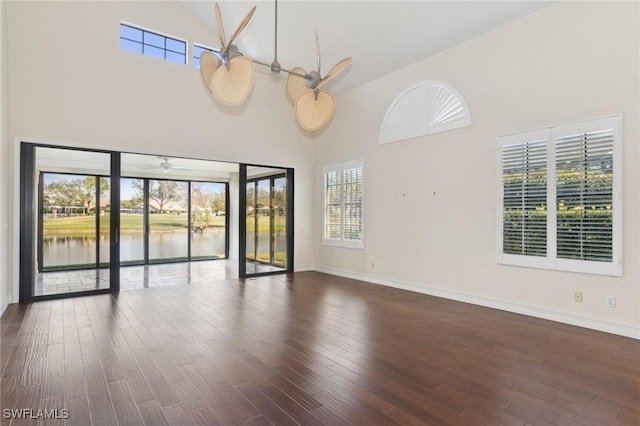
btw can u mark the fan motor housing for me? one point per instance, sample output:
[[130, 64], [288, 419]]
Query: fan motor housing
[[313, 79]]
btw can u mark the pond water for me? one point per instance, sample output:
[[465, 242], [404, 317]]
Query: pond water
[[65, 251]]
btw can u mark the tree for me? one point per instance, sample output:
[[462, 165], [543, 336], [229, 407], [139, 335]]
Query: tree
[[162, 192], [85, 190], [201, 200], [219, 202], [59, 193], [77, 192], [131, 203]]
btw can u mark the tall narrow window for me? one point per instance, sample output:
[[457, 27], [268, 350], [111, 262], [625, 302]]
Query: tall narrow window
[[343, 205], [558, 205]]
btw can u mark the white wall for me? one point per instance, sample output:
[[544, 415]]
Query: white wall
[[70, 82], [4, 170], [430, 213]]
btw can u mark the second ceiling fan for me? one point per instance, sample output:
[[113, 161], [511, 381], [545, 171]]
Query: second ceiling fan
[[313, 107], [230, 77]]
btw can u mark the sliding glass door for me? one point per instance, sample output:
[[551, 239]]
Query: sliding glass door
[[68, 231], [168, 217], [266, 240]]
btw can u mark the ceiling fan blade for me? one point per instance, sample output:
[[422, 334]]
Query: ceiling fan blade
[[333, 72], [232, 84], [242, 25], [208, 65], [312, 112], [318, 50], [296, 85], [223, 41]]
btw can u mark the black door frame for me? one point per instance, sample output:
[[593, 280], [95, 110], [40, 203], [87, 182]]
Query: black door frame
[[28, 196], [242, 203]]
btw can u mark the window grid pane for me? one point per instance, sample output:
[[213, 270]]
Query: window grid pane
[[152, 44]]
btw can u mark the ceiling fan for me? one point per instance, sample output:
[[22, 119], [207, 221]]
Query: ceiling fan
[[313, 107], [230, 77], [165, 165]]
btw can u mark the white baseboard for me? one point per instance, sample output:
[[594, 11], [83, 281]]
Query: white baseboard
[[3, 308], [303, 268], [626, 330]]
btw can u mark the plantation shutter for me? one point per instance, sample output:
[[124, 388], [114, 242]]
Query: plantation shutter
[[343, 207], [524, 195], [584, 194], [333, 205], [352, 204]]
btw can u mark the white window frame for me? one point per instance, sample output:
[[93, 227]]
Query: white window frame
[[161, 34], [550, 261], [341, 242]]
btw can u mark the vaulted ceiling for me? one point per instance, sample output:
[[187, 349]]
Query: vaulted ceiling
[[380, 36]]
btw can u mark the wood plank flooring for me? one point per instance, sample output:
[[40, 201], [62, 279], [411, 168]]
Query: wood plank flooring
[[308, 349]]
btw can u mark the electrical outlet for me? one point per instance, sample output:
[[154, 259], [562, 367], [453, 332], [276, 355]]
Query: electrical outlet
[[611, 301], [577, 297]]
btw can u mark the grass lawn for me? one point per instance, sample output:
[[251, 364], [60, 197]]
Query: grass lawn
[[84, 226], [81, 226]]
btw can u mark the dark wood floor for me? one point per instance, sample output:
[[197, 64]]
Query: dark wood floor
[[309, 349]]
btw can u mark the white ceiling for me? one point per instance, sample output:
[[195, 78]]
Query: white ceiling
[[57, 160], [380, 36], [60, 160]]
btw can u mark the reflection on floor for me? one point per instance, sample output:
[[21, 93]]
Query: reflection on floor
[[136, 276], [70, 281], [259, 268]]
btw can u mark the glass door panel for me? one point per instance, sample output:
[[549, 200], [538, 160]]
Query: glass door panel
[[73, 241], [250, 219], [208, 220], [279, 202], [103, 210], [168, 221], [69, 228], [264, 225], [267, 242], [132, 235]]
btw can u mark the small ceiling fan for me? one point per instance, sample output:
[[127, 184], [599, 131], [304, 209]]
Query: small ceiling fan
[[313, 107], [165, 165], [229, 78]]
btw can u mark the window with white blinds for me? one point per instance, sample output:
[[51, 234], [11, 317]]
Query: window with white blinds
[[584, 195], [524, 208], [343, 205], [560, 206]]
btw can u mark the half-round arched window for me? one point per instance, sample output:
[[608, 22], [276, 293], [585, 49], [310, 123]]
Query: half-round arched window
[[425, 108]]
